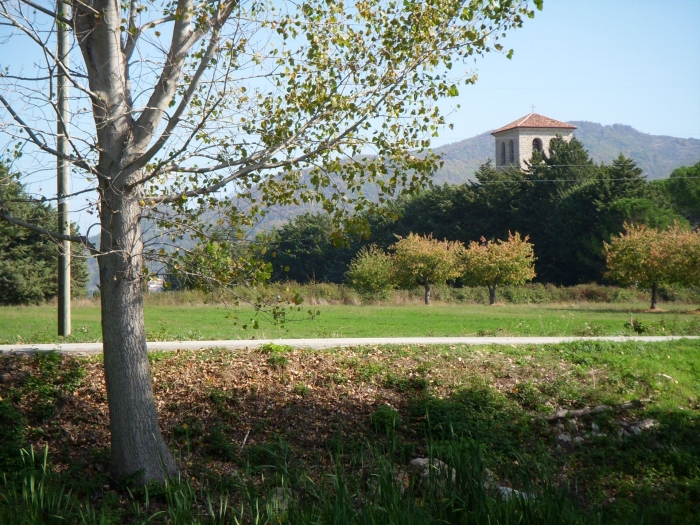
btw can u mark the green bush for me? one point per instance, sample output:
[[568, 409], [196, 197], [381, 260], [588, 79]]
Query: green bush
[[276, 355], [371, 273], [385, 419]]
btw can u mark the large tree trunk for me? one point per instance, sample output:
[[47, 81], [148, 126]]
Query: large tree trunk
[[492, 293], [426, 284], [654, 295], [137, 444]]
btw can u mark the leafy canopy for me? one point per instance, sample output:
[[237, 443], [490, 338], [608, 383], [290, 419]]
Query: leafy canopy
[[649, 257], [425, 260], [499, 262]]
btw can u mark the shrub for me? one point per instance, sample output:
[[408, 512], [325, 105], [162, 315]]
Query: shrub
[[371, 273], [385, 419]]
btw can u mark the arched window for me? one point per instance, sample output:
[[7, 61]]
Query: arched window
[[503, 153], [537, 145], [511, 153]]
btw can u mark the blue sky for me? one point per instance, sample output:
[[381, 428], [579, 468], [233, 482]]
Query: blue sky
[[634, 62]]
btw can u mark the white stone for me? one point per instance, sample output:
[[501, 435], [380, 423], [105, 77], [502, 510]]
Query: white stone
[[508, 493], [422, 467], [647, 424]]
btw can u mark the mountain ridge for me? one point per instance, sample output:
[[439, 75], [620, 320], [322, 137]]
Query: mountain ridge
[[656, 155]]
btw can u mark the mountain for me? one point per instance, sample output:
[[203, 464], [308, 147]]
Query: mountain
[[657, 155]]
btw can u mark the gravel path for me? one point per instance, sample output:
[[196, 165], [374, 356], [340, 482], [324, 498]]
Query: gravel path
[[95, 348]]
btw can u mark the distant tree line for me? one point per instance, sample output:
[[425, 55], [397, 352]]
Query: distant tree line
[[568, 205]]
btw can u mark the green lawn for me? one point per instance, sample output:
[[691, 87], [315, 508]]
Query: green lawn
[[206, 322]]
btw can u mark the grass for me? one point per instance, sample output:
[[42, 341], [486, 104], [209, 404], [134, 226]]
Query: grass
[[209, 322], [328, 437]]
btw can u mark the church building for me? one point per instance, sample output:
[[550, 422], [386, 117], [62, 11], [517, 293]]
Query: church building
[[516, 141]]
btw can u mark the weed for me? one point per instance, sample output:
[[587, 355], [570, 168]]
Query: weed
[[277, 454], [412, 383], [12, 423], [637, 326], [51, 380], [301, 389], [222, 401], [385, 419], [366, 371], [272, 348], [219, 444], [277, 361], [528, 396], [276, 355]]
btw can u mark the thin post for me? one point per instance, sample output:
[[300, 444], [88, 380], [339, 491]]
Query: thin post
[[63, 170]]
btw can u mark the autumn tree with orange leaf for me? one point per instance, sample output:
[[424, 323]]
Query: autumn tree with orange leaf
[[425, 261], [497, 262], [648, 258]]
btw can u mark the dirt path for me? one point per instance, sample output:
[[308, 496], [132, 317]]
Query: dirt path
[[93, 348]]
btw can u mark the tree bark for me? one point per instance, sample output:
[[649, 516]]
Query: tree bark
[[137, 444], [426, 284], [654, 295], [492, 294]]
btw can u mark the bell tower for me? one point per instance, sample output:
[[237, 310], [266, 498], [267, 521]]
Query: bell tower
[[515, 142]]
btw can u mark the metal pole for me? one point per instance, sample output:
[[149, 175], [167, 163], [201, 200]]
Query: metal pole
[[63, 171]]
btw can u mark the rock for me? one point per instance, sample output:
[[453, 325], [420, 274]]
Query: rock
[[636, 430], [647, 424], [595, 427], [564, 438], [423, 466], [578, 439], [5, 377], [402, 479], [507, 493], [489, 479], [621, 432]]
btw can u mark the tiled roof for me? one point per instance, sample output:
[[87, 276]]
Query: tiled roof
[[533, 120]]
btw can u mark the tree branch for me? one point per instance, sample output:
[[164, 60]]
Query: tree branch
[[52, 14], [81, 239], [131, 42], [80, 163], [65, 71], [182, 41], [175, 118]]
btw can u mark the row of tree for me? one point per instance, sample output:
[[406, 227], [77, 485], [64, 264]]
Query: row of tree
[[418, 260], [641, 256], [568, 205]]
